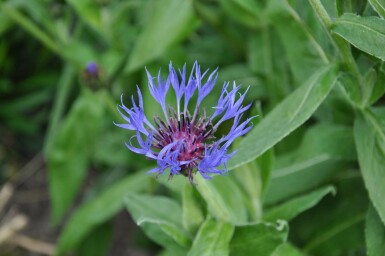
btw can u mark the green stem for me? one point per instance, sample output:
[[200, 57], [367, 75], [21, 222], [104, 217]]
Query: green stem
[[29, 26]]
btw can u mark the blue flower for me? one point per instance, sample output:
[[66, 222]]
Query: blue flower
[[185, 143]]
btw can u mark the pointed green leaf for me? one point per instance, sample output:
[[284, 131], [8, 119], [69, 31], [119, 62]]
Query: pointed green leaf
[[304, 54], [379, 6], [374, 233], [70, 150], [158, 211], [287, 249], [286, 116], [98, 210], [288, 210], [258, 239], [169, 22], [365, 33], [212, 239], [249, 180], [224, 199], [369, 135], [193, 215], [90, 11], [247, 12], [325, 150]]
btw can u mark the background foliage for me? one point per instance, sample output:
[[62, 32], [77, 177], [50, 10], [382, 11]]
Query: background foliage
[[309, 179]]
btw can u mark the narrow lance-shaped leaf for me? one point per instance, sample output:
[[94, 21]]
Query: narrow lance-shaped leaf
[[212, 239], [247, 12], [379, 6], [304, 54], [365, 33], [288, 210], [193, 215], [169, 21], [98, 210], [374, 233], [369, 136], [258, 239], [286, 117], [68, 157], [223, 198], [325, 149], [88, 10], [286, 249], [157, 212]]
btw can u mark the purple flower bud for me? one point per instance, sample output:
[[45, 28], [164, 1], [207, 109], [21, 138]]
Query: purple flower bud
[[92, 68]]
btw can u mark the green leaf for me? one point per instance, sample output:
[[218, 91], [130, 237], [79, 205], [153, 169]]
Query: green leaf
[[335, 226], [286, 117], [249, 180], [98, 210], [70, 150], [304, 54], [370, 79], [378, 6], [193, 215], [350, 6], [290, 209], [98, 241], [351, 87], [246, 12], [224, 199], [374, 233], [324, 151], [253, 178], [258, 239], [90, 11], [369, 136], [174, 252], [379, 86], [158, 212], [212, 239], [286, 249], [169, 22], [365, 33]]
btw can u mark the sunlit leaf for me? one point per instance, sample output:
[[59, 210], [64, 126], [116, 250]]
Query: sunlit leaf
[[286, 117]]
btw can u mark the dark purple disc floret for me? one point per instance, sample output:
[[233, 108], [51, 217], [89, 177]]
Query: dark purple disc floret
[[182, 142]]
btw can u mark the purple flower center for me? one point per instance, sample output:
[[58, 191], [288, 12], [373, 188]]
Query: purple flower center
[[193, 135]]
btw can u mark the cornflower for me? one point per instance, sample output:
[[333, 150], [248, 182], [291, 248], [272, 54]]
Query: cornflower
[[181, 142]]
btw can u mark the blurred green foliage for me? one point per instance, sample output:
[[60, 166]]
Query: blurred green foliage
[[316, 72]]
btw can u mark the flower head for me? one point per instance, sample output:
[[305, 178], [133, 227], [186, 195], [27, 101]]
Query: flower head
[[92, 68], [181, 142]]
